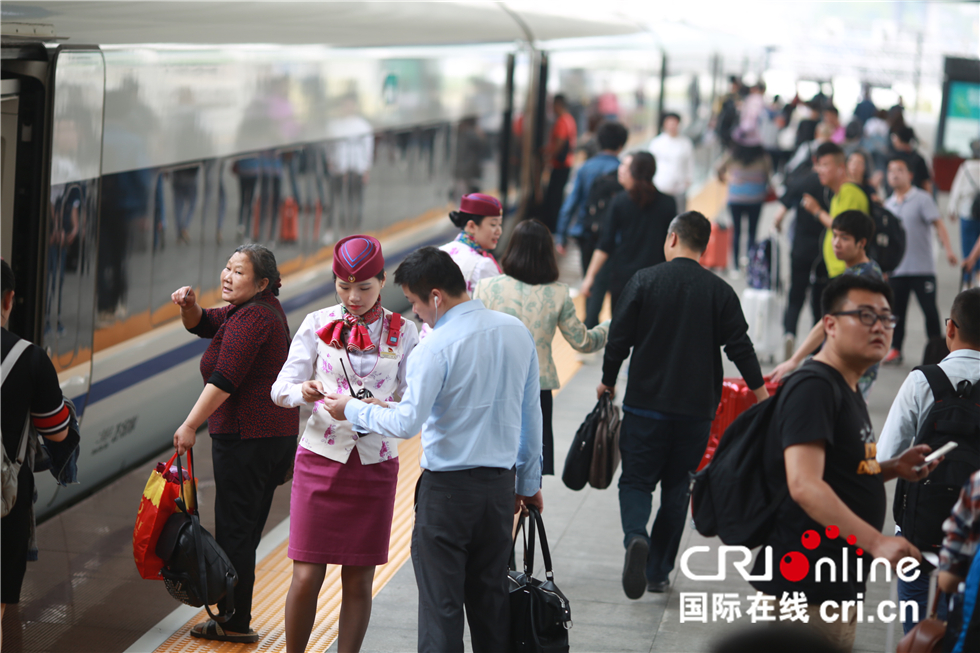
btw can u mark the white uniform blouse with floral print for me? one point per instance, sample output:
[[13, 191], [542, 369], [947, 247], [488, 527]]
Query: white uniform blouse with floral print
[[381, 371]]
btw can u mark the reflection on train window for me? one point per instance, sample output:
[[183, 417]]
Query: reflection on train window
[[69, 291], [177, 225]]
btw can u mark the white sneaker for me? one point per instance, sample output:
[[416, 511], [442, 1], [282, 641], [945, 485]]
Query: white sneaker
[[789, 346]]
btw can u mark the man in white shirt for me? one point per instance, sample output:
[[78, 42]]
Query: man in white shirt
[[915, 399], [674, 154]]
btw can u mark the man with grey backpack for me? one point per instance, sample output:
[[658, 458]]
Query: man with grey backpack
[[32, 402]]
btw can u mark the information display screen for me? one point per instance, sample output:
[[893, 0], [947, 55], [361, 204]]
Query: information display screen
[[962, 117]]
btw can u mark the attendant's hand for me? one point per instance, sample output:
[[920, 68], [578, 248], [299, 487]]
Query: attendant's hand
[[602, 389], [520, 501], [313, 391], [184, 297], [560, 249], [906, 463], [894, 549], [184, 439], [781, 370], [374, 401], [951, 257], [335, 405], [586, 288]]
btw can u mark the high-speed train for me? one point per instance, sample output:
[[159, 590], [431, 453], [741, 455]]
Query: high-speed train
[[130, 169]]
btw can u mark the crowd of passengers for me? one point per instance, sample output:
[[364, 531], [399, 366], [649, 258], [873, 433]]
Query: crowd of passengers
[[370, 378]]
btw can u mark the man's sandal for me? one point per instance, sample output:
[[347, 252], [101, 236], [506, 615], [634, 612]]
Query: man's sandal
[[212, 630]]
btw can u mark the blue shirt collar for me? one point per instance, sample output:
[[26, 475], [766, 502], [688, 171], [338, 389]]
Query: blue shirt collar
[[459, 309]]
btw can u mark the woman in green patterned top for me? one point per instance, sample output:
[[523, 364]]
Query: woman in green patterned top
[[529, 290]]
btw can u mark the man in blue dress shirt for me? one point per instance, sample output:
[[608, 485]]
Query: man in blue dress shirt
[[473, 390]]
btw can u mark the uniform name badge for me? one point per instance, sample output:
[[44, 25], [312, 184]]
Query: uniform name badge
[[389, 354]]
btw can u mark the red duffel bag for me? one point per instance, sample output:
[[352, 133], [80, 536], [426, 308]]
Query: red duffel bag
[[156, 506]]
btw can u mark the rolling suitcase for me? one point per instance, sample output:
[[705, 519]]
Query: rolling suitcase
[[762, 301], [735, 400], [715, 256]]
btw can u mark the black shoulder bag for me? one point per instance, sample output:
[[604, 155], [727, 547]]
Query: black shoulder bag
[[196, 571], [540, 615]]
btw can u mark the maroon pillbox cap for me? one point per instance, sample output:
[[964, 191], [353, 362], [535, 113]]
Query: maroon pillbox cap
[[357, 258], [480, 204]]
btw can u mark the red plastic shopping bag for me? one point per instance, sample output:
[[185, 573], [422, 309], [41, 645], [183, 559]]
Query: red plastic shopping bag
[[157, 504]]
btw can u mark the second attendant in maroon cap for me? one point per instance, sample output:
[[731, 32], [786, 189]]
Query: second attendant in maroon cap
[[480, 218], [344, 482]]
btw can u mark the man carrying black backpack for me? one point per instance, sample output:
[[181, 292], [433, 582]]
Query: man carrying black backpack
[[584, 208], [917, 418], [824, 450]]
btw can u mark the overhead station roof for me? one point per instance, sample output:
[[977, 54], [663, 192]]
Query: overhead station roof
[[337, 24]]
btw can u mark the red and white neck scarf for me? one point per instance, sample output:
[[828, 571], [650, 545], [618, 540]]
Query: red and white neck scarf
[[352, 330]]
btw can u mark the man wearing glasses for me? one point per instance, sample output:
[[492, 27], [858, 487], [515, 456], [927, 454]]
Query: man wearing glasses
[[914, 401], [827, 446]]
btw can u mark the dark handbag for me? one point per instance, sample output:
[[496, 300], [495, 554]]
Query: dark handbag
[[196, 571], [578, 462], [927, 635], [605, 450], [540, 615]]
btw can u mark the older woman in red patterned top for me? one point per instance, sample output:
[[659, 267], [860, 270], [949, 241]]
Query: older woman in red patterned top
[[253, 441]]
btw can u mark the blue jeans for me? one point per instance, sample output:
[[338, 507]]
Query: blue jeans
[[751, 213], [918, 591], [658, 451], [969, 232]]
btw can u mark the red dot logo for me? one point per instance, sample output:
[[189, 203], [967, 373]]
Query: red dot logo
[[860, 551], [810, 540], [852, 540], [794, 566], [832, 532]]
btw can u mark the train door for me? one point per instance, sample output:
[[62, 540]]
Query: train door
[[71, 211], [52, 162], [22, 140]]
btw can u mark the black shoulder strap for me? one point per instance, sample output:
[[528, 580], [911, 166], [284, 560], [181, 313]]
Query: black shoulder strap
[[938, 381], [818, 371]]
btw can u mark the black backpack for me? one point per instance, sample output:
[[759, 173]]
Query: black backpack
[[196, 570], [603, 189], [921, 508], [888, 247], [734, 497]]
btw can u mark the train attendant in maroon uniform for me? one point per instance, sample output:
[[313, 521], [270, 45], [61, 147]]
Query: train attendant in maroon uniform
[[252, 440], [344, 481], [480, 218]]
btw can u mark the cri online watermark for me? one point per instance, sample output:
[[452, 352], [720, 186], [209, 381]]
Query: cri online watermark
[[795, 567]]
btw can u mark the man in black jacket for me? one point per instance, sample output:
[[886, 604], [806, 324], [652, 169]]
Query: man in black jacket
[[674, 316]]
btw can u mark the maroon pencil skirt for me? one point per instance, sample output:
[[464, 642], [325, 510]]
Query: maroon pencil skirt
[[340, 514]]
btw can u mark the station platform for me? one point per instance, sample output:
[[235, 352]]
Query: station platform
[[85, 595]]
